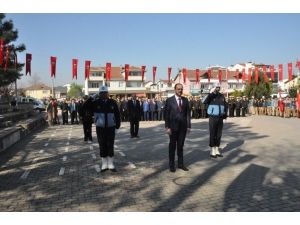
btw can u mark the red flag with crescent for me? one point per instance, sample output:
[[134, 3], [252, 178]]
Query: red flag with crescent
[[154, 73], [208, 75], [265, 73], [87, 69], [272, 72], [28, 64], [280, 72], [290, 71], [169, 74], [197, 75], [126, 72], [249, 75], [243, 74], [220, 75], [143, 72], [53, 65], [74, 68], [108, 71], [298, 64], [256, 74]]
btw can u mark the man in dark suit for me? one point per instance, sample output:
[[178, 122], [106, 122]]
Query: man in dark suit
[[134, 113], [177, 124]]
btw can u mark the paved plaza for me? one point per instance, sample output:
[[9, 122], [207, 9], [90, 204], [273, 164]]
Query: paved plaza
[[55, 170]]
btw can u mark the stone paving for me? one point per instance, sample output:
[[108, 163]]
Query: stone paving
[[54, 170]]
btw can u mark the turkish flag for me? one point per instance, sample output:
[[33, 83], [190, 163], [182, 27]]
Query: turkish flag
[[249, 75], [227, 74], [87, 69], [220, 75], [74, 68], [280, 72], [6, 58], [197, 75], [143, 72], [237, 75], [28, 64], [108, 71], [1, 51], [154, 73], [53, 66], [256, 74], [184, 75], [243, 74], [126, 72], [265, 73], [169, 73], [208, 75], [272, 72], [298, 64], [290, 71]]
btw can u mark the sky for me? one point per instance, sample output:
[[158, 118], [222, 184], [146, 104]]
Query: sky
[[162, 40]]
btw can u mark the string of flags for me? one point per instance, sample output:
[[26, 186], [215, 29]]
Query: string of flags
[[5, 55]]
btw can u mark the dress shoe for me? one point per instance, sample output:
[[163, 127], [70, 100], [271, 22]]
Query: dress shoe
[[172, 169], [132, 137], [219, 155], [113, 170], [183, 168], [137, 136], [103, 170], [213, 156]]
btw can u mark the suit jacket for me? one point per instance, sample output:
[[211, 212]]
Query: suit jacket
[[176, 119], [134, 112]]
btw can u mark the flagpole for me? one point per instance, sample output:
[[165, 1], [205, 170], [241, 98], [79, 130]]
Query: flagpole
[[53, 94]]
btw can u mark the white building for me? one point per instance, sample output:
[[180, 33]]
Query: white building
[[117, 86]]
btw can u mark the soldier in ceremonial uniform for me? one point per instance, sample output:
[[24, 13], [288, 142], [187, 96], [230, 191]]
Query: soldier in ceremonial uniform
[[217, 108], [107, 120]]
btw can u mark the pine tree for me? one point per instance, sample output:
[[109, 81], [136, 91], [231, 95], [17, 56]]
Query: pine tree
[[262, 88], [10, 35]]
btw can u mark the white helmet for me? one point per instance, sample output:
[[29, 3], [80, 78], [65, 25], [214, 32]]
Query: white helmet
[[103, 89]]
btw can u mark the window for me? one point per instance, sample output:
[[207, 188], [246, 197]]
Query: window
[[45, 92], [94, 85], [135, 73]]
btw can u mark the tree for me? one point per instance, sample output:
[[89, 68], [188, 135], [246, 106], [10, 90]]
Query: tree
[[237, 93], [293, 92], [10, 35], [258, 90], [75, 91]]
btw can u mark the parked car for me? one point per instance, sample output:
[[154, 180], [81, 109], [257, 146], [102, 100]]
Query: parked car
[[39, 105]]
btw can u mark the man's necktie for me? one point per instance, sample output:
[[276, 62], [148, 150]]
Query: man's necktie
[[180, 104]]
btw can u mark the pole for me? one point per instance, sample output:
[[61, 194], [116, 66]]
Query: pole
[[53, 94]]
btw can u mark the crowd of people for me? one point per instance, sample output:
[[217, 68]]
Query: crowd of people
[[152, 109]]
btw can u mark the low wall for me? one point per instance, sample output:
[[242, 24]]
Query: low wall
[[10, 136]]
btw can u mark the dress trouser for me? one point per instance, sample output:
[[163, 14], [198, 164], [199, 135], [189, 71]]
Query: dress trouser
[[106, 139], [134, 127], [176, 140], [215, 131], [87, 129], [65, 117]]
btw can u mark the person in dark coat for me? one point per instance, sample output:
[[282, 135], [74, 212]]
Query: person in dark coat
[[177, 124], [87, 120], [134, 112], [65, 110]]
